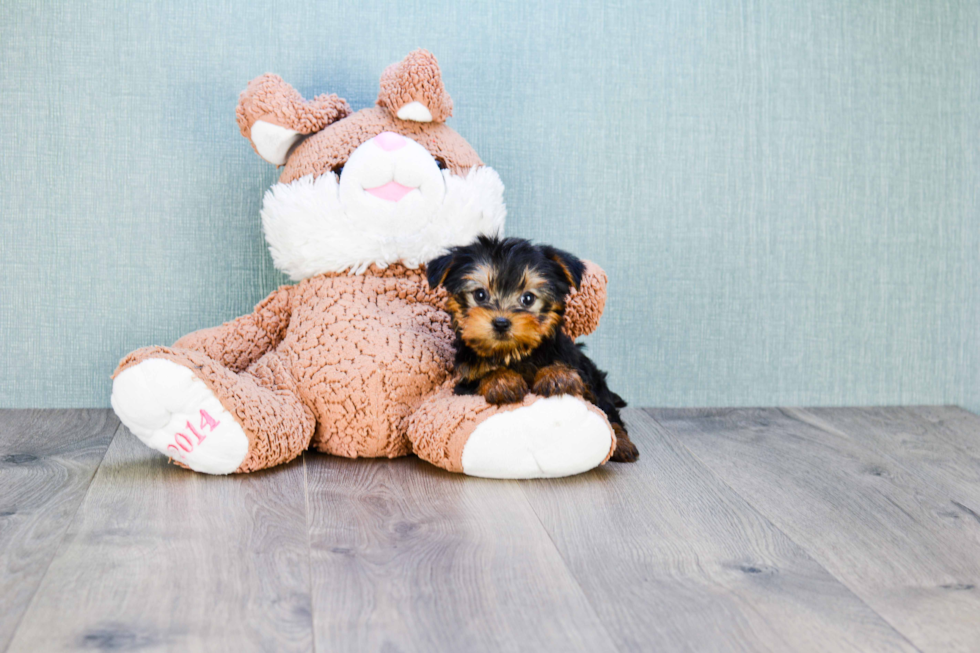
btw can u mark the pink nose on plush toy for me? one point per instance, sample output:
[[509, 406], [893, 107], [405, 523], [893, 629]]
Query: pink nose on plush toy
[[390, 141]]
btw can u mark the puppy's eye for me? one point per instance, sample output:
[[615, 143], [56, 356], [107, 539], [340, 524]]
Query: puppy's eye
[[480, 295], [338, 170], [527, 299]]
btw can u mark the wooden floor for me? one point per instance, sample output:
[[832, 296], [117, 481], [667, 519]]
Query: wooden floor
[[738, 530]]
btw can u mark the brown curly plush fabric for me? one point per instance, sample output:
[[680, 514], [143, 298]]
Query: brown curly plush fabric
[[351, 365], [337, 132], [330, 148], [584, 306], [262, 398], [441, 426], [343, 364], [416, 78], [271, 99], [444, 422]]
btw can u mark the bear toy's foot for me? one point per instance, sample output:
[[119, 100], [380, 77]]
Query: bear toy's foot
[[173, 411], [558, 436]]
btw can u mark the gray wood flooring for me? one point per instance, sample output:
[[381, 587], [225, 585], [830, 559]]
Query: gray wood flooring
[[738, 530]]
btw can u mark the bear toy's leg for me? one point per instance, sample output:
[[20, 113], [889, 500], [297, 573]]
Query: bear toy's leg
[[208, 418], [538, 438]]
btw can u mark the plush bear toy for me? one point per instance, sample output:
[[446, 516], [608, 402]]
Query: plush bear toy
[[356, 358]]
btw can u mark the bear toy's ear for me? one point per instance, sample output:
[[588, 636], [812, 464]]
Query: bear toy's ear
[[273, 116], [412, 89]]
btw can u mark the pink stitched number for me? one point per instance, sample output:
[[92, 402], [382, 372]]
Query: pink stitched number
[[200, 438], [187, 445], [207, 420], [184, 442]]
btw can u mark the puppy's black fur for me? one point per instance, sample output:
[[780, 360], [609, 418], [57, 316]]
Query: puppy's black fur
[[507, 301]]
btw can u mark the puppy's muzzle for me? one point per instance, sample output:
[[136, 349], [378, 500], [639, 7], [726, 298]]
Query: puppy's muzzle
[[501, 325]]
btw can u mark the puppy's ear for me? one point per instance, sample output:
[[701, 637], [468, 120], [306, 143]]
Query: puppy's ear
[[438, 269], [570, 265]]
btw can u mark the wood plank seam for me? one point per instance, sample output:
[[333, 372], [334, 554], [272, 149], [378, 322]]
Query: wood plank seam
[[568, 568], [309, 547], [147, 564], [806, 417], [934, 484], [653, 522], [650, 412], [64, 534], [418, 559], [922, 413]]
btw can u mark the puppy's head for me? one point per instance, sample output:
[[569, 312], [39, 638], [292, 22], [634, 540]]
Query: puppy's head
[[506, 295]]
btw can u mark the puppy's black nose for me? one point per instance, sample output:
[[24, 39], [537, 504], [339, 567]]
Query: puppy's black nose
[[501, 324]]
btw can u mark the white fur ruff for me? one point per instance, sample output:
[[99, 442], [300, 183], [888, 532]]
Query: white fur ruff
[[310, 231]]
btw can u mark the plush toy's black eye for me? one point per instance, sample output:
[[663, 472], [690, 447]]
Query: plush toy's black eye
[[527, 299], [480, 295]]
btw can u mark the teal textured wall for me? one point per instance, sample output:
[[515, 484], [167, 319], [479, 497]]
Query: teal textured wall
[[784, 194]]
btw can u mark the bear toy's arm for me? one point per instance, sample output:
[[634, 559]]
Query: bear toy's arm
[[239, 343], [584, 306]]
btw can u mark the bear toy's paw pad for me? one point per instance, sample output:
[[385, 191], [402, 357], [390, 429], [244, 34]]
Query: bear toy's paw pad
[[553, 437], [174, 412]]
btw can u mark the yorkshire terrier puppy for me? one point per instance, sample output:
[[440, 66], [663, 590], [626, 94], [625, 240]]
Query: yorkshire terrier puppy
[[507, 301]]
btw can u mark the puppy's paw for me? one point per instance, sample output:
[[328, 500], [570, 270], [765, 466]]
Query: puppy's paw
[[466, 388], [626, 451], [503, 386], [558, 379]]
